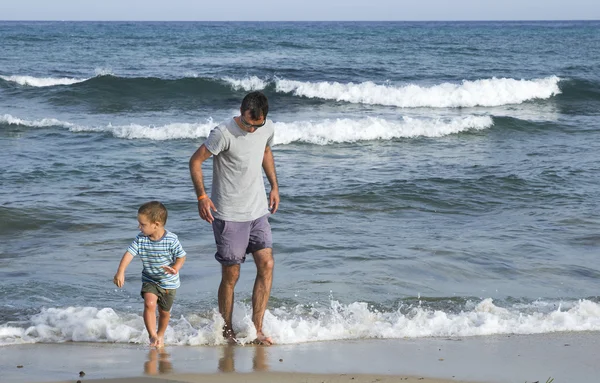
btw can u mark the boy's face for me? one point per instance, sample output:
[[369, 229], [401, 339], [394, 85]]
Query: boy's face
[[146, 226]]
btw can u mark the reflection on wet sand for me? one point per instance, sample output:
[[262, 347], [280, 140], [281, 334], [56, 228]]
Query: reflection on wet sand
[[227, 361], [158, 362], [259, 361]]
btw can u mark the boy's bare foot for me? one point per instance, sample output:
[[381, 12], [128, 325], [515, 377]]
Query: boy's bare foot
[[263, 340], [153, 341]]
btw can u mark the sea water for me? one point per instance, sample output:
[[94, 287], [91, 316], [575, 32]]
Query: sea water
[[436, 178]]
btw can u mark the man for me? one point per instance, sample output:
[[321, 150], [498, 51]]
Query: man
[[237, 207]]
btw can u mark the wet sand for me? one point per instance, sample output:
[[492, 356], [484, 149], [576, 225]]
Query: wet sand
[[566, 357]]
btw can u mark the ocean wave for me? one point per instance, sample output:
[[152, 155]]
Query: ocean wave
[[303, 324], [104, 77], [44, 122], [132, 131], [581, 97], [373, 128], [485, 92], [42, 81], [248, 84], [313, 132], [174, 131]]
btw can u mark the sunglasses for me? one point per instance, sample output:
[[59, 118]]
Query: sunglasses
[[249, 125]]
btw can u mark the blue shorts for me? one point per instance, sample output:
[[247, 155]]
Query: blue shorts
[[236, 239]]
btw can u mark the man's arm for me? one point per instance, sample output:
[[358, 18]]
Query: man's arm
[[204, 204], [268, 165]]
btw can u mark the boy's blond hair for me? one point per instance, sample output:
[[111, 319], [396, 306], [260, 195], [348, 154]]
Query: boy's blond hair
[[155, 211]]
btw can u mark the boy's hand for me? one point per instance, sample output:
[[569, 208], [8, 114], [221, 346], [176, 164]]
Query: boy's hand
[[170, 270], [119, 279]]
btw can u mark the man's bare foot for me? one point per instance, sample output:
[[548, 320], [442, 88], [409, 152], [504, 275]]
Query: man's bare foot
[[153, 341], [160, 342], [229, 336], [263, 340]]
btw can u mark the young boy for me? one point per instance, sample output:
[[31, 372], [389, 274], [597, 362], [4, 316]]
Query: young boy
[[162, 257]]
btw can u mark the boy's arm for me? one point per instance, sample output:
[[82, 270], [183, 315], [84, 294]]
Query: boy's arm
[[119, 278], [174, 269]]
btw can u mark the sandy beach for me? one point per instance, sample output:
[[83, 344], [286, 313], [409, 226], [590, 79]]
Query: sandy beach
[[566, 357]]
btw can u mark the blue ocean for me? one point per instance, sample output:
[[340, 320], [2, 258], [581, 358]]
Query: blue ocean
[[437, 179]]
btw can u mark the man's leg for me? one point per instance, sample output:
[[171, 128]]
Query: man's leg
[[229, 277], [262, 290], [227, 361], [259, 361]]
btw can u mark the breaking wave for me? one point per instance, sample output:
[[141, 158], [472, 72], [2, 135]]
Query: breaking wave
[[313, 132], [302, 324]]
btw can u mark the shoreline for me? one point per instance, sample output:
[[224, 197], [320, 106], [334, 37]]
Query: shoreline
[[566, 357], [274, 377]]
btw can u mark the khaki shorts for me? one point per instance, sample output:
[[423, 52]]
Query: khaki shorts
[[165, 297]]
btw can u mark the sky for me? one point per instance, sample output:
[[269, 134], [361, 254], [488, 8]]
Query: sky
[[299, 10]]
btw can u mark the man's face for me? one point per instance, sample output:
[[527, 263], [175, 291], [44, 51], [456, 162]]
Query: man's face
[[250, 123]]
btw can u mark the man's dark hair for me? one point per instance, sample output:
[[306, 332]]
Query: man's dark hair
[[257, 104]]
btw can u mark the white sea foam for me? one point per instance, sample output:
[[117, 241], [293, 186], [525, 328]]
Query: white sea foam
[[314, 132], [299, 324], [372, 128], [248, 84], [484, 92], [44, 122], [172, 131], [42, 81], [132, 131]]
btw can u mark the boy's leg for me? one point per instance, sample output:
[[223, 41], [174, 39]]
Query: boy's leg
[[163, 322], [150, 317], [151, 366], [165, 303]]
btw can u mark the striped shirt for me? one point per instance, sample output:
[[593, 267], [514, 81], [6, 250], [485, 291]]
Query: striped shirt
[[154, 255]]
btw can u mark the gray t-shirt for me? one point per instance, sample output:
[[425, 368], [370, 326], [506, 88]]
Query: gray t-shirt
[[238, 189]]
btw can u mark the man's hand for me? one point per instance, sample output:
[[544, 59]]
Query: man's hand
[[274, 200], [268, 165], [119, 280], [205, 206]]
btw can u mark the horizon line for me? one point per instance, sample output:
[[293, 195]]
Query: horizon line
[[291, 21]]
